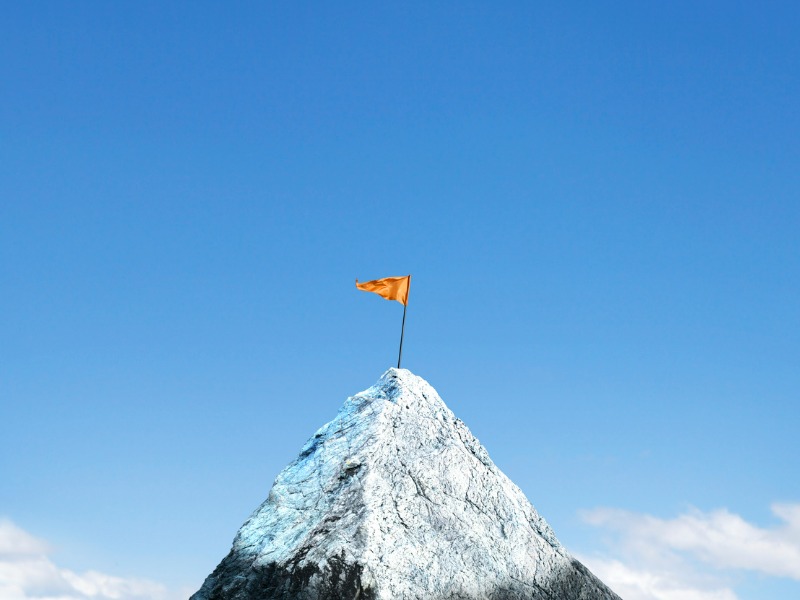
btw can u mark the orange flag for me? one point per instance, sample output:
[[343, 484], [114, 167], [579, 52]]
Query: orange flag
[[391, 288]]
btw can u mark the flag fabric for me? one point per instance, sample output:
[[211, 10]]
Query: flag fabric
[[391, 288]]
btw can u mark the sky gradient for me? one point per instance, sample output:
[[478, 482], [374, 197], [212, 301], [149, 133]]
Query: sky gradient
[[598, 205]]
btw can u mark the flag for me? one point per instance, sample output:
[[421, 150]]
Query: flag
[[391, 288]]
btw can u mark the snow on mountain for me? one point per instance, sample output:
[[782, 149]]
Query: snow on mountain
[[396, 499]]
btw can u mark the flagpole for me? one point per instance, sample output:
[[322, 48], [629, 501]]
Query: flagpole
[[403, 328], [402, 331]]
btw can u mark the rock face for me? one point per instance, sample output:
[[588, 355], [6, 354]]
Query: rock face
[[395, 499]]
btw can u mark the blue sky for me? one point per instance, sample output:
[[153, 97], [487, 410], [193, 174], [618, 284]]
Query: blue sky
[[598, 204]]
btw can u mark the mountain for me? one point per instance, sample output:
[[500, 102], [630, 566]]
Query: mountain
[[395, 499]]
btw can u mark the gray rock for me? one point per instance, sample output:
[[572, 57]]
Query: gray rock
[[395, 499]]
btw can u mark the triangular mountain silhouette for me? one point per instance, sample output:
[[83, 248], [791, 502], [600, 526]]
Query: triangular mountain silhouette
[[395, 499]]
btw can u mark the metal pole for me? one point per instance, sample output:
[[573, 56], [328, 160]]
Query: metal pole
[[402, 331]]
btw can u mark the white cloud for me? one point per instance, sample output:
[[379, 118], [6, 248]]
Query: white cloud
[[692, 556], [655, 583], [17, 542], [28, 573], [720, 538]]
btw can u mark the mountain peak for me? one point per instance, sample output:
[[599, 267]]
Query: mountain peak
[[402, 386], [396, 499]]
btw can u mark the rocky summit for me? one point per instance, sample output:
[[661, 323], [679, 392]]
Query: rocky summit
[[395, 499]]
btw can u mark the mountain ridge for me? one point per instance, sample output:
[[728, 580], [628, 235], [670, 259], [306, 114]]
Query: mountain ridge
[[395, 498]]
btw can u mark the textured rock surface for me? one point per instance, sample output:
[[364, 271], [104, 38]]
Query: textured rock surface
[[396, 499]]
